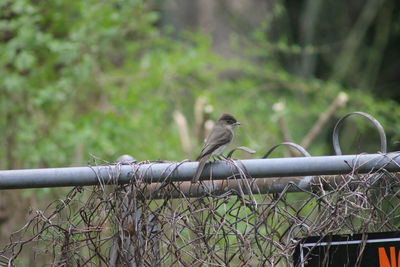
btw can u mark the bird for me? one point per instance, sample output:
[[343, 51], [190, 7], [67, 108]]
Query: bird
[[216, 142]]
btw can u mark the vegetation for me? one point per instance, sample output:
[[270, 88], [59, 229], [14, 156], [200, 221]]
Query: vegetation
[[103, 78]]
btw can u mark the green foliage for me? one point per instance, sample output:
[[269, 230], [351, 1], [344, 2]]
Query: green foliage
[[84, 77]]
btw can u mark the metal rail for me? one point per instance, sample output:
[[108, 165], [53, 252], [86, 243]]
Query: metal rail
[[175, 172]]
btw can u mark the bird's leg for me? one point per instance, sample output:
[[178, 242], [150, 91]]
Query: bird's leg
[[219, 157]]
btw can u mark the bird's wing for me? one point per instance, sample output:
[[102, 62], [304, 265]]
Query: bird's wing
[[217, 138]]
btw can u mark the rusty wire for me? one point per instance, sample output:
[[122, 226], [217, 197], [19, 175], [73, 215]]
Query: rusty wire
[[143, 224]]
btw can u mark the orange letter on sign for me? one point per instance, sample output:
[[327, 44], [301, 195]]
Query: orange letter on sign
[[384, 260]]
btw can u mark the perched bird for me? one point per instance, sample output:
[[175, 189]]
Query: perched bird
[[216, 142]]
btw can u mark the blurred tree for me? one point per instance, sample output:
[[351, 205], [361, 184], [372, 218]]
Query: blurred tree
[[104, 78]]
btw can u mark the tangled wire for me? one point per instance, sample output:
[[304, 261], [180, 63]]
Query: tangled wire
[[240, 221], [144, 224]]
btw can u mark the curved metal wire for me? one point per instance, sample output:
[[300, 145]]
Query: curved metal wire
[[299, 148], [307, 179], [242, 148], [375, 122]]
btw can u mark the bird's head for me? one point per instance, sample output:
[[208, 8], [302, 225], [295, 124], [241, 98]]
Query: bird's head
[[228, 119]]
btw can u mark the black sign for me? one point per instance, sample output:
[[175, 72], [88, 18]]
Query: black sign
[[370, 249]]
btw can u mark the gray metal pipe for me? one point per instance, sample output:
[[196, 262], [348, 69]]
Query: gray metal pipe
[[158, 172], [245, 186], [266, 185]]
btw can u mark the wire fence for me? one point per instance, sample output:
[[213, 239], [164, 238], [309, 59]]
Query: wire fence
[[144, 224]]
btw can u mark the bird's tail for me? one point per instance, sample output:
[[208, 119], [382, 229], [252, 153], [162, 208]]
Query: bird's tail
[[199, 170]]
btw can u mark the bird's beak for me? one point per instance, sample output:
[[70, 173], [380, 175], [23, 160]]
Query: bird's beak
[[237, 123]]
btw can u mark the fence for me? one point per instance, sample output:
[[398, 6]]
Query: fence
[[251, 213]]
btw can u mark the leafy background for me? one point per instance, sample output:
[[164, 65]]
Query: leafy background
[[96, 79]]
